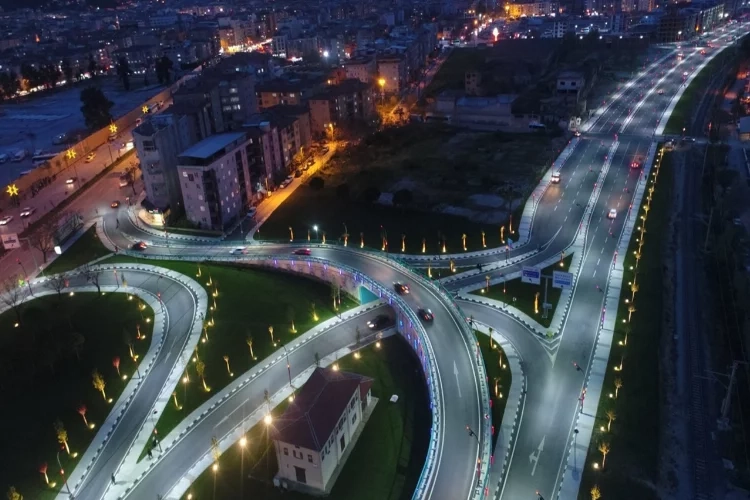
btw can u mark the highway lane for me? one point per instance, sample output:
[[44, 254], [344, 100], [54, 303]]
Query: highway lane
[[221, 421]]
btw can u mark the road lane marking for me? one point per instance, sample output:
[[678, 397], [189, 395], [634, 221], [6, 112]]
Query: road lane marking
[[594, 275], [455, 372], [534, 456]]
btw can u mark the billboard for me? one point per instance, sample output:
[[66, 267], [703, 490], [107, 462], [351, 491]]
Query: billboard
[[531, 275], [10, 241], [561, 279]]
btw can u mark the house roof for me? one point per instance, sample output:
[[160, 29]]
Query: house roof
[[211, 145], [310, 419]]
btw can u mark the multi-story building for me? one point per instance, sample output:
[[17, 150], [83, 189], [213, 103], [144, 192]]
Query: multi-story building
[[392, 71], [363, 68], [215, 180], [341, 105], [157, 143], [532, 8], [291, 89], [315, 430]]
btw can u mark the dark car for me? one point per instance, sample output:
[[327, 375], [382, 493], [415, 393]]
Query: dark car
[[302, 251], [400, 288], [378, 322], [141, 245], [425, 315]]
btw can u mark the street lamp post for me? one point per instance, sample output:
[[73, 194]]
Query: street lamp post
[[381, 82], [288, 368], [315, 228], [62, 472], [26, 275]]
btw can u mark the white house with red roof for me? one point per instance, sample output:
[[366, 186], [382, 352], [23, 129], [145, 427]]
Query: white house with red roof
[[315, 432]]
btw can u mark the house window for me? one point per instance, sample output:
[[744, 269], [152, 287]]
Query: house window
[[309, 458], [203, 209], [191, 178], [352, 403], [286, 451]]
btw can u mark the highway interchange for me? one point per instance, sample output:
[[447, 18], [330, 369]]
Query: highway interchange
[[597, 175]]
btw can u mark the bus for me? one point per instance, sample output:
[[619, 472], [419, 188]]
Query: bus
[[37, 160]]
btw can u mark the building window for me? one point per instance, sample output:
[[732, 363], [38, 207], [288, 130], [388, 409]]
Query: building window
[[191, 178], [352, 403], [309, 458], [203, 209], [286, 451], [354, 418]]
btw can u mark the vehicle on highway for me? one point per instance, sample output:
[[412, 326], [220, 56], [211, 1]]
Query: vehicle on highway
[[302, 251], [556, 178], [70, 181], [577, 133], [612, 213], [90, 157], [680, 55], [400, 288], [425, 315], [238, 251], [141, 245], [378, 322], [637, 163], [5, 220], [60, 139], [19, 155], [115, 204], [660, 91], [27, 212], [684, 73]]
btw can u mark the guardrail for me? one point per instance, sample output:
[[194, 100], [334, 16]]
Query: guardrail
[[422, 347]]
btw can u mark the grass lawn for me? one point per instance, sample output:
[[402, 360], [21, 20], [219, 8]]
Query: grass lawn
[[250, 300], [521, 295], [46, 365], [85, 249], [451, 183], [632, 465], [499, 376], [387, 459], [683, 111]]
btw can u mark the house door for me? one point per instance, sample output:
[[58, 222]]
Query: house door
[[301, 474]]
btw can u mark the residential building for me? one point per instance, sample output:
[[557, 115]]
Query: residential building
[[313, 435], [158, 141], [343, 105], [363, 68], [290, 89], [532, 8], [392, 69], [215, 180]]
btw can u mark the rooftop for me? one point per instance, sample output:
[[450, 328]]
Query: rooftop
[[317, 408], [211, 145]]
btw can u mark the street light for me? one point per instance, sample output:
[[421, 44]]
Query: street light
[[381, 82], [315, 228]]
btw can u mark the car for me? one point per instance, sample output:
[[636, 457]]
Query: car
[[688, 139], [302, 251], [70, 181], [325, 150], [400, 288], [286, 182], [238, 251], [577, 133], [684, 73], [4, 157], [115, 204], [425, 315], [378, 322], [252, 211], [612, 213], [660, 91], [141, 245], [636, 164], [28, 211], [5, 220], [310, 162], [90, 157], [298, 173], [556, 178]]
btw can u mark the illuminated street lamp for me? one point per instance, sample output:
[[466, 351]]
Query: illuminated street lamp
[[381, 82]]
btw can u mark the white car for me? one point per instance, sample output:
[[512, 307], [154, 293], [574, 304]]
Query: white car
[[661, 92], [5, 220], [70, 181], [238, 251], [612, 213], [26, 212], [556, 178]]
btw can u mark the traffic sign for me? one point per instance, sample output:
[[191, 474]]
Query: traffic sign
[[10, 241], [531, 275], [561, 279]]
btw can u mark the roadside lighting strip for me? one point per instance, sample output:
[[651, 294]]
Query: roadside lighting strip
[[424, 352]]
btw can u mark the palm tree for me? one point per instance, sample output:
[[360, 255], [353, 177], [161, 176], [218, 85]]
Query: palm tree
[[62, 435], [604, 449], [633, 289], [611, 416], [631, 310], [200, 368], [13, 494], [595, 493], [116, 364], [314, 312], [82, 411], [226, 360], [290, 317], [99, 383], [249, 342], [270, 332], [43, 471], [618, 385]]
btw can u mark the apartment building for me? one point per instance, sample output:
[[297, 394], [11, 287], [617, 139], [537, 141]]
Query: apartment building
[[340, 105], [363, 68], [290, 89], [215, 180], [392, 71]]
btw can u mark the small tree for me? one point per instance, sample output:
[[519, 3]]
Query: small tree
[[82, 411], [116, 364], [313, 311], [618, 385], [98, 383], [611, 417], [226, 361], [43, 238], [200, 368], [13, 295], [57, 283], [270, 332], [43, 471], [290, 318], [604, 449], [92, 274], [13, 494], [62, 435], [595, 493], [249, 342]]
